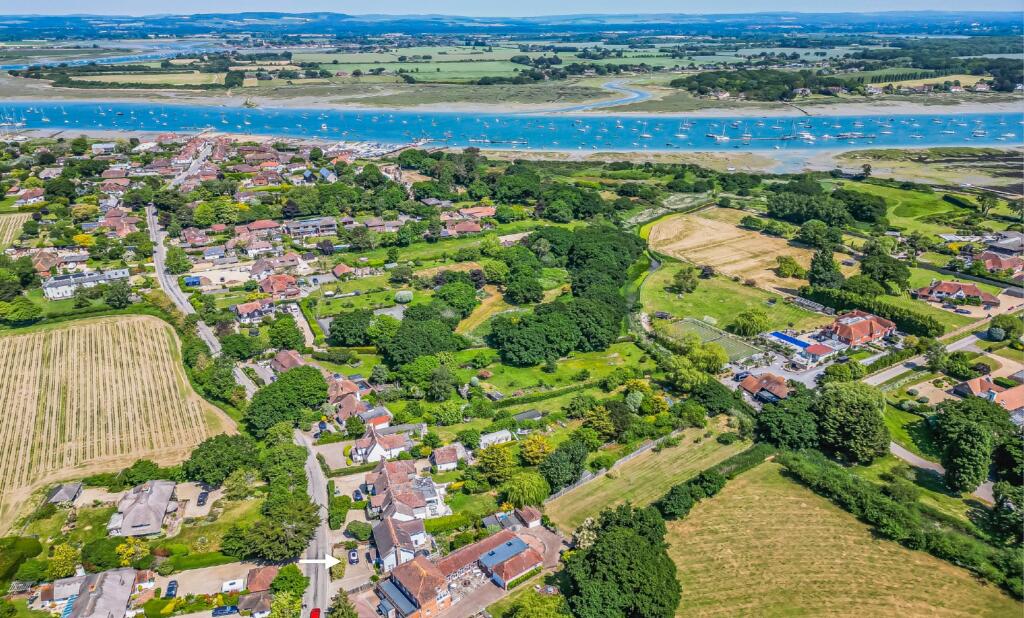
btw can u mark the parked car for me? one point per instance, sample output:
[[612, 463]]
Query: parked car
[[322, 426], [172, 589], [963, 311], [357, 495], [315, 613], [316, 435], [203, 497], [739, 377], [353, 557], [225, 610]]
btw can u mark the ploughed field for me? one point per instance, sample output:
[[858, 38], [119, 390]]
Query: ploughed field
[[92, 396]]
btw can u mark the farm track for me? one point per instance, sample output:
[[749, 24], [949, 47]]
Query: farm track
[[93, 396]]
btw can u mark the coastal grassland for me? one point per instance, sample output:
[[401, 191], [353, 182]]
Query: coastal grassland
[[767, 546], [915, 211], [91, 396], [713, 237], [10, 227], [943, 166], [645, 478], [722, 298], [169, 79]]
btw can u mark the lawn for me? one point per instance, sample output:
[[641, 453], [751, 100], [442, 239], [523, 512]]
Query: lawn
[[474, 505], [908, 209], [910, 431], [766, 546], [643, 479], [721, 299], [202, 536], [736, 348], [952, 321], [933, 490], [90, 525]]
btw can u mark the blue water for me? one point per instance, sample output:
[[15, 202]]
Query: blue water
[[529, 131], [161, 52], [791, 340]]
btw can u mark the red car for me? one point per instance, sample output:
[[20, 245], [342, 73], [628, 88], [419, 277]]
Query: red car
[[315, 613]]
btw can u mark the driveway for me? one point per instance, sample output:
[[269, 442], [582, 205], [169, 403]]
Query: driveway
[[984, 491], [189, 494], [356, 575], [778, 366], [91, 495], [334, 453], [206, 580]]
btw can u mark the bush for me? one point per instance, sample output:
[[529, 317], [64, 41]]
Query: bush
[[727, 438], [441, 525], [359, 530]]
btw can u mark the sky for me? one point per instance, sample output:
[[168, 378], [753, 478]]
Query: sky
[[509, 9]]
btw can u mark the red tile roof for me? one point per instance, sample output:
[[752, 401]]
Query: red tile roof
[[518, 565], [772, 383], [259, 579], [469, 554]]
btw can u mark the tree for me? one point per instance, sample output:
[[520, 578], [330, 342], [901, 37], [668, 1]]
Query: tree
[[525, 488], [359, 530], [470, 438], [966, 453], [1006, 518], [354, 427], [289, 579], [62, 562], [789, 267], [238, 485], [341, 607], [239, 346], [1012, 325], [986, 202], [819, 235], [850, 422], [284, 399], [789, 423], [886, 270], [862, 285], [685, 278], [676, 504], [523, 288], [382, 329], [350, 329], [131, 550], [824, 271], [216, 458], [458, 295], [625, 572], [534, 449], [749, 323], [20, 311], [177, 261], [565, 465], [497, 462], [284, 334], [286, 605]]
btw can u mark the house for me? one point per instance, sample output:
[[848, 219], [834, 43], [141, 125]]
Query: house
[[375, 447], [447, 457], [256, 603], [530, 516], [30, 196], [1008, 243], [285, 360], [259, 579], [102, 595], [397, 542], [104, 148], [997, 262], [478, 212], [940, 291], [65, 493], [192, 237], [142, 510], [321, 226], [379, 417], [856, 328], [814, 355], [416, 589], [64, 286], [982, 386], [257, 248], [495, 437], [510, 561], [261, 228], [253, 312], [766, 387], [280, 286], [397, 491], [215, 253], [342, 270]]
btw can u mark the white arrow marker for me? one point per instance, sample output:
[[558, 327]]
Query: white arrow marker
[[328, 561]]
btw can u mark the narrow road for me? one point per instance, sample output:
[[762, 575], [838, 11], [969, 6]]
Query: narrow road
[[983, 492], [317, 594], [169, 284]]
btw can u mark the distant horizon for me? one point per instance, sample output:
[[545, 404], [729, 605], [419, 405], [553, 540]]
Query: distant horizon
[[119, 8]]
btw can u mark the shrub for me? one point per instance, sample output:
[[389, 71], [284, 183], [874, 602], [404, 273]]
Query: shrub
[[359, 530], [727, 438], [441, 525]]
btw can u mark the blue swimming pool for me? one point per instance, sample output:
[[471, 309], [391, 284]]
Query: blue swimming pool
[[790, 340]]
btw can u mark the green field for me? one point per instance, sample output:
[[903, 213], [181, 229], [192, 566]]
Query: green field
[[908, 210], [721, 299], [172, 79], [644, 479], [766, 546], [736, 348], [950, 320]]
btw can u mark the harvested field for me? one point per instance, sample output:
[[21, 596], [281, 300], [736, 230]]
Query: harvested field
[[10, 227], [92, 396], [713, 237], [767, 546], [645, 478]]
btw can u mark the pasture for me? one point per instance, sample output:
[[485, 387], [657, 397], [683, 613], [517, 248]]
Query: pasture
[[721, 299], [645, 478], [172, 79], [767, 546], [713, 237], [10, 227], [92, 396]]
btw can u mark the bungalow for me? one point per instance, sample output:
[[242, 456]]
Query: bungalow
[[478, 212], [530, 516], [397, 542], [1010, 399], [857, 327], [142, 510], [65, 494], [262, 228], [51, 172], [997, 262], [375, 447], [193, 237], [447, 457], [495, 437], [342, 270], [260, 578], [510, 561], [416, 589], [30, 196], [285, 360], [258, 248], [253, 312], [814, 355], [766, 387], [257, 604], [1008, 243], [940, 291], [461, 227], [280, 286], [101, 595], [104, 148], [217, 252]]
